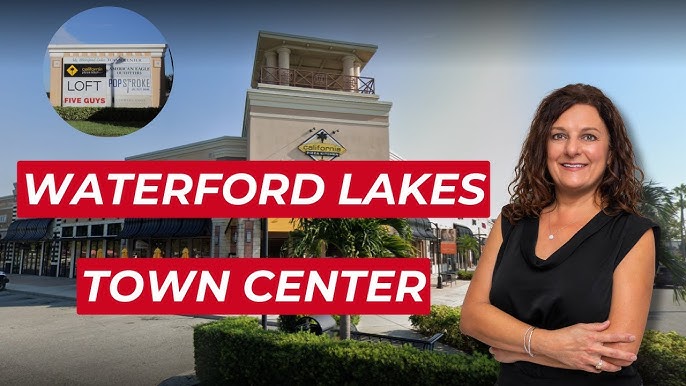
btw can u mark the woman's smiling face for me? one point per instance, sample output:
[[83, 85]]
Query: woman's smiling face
[[578, 150]]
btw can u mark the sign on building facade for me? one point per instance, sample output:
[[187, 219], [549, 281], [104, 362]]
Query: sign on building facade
[[107, 82]]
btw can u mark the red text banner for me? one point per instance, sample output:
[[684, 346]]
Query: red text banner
[[392, 286], [210, 189]]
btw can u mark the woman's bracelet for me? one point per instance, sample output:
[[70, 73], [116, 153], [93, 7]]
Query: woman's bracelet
[[527, 340], [531, 354]]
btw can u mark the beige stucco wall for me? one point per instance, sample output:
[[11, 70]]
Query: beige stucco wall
[[56, 81], [279, 119], [278, 139], [6, 209]]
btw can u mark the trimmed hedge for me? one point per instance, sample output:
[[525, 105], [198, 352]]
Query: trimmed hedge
[[107, 114], [465, 275], [238, 351], [661, 357], [446, 319]]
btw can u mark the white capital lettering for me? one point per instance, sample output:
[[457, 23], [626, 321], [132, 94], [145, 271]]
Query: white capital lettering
[[142, 188], [466, 185], [247, 287], [181, 193], [374, 286], [119, 186], [95, 284], [114, 286], [439, 188], [345, 190], [91, 181], [297, 189]]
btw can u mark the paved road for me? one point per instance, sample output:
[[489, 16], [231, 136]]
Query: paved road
[[44, 342]]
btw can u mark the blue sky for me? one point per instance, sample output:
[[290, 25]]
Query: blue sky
[[107, 25], [464, 79]]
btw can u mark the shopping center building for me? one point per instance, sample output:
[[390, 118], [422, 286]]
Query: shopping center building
[[308, 101]]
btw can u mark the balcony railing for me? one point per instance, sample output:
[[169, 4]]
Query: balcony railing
[[318, 80]]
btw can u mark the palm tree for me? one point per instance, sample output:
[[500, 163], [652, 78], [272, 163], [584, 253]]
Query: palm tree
[[351, 237], [466, 244], [656, 204], [680, 191]]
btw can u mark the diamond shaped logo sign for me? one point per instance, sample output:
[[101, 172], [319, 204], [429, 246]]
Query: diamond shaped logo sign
[[72, 70], [321, 146]]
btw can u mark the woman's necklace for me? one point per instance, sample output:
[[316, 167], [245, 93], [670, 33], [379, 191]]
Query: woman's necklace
[[551, 234]]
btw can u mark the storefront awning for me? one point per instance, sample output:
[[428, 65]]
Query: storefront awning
[[281, 224], [194, 227], [31, 229], [421, 228], [148, 228], [15, 231], [168, 227], [143, 228], [130, 228], [463, 231]]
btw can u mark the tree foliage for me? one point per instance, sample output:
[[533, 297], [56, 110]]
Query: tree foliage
[[658, 204], [350, 237]]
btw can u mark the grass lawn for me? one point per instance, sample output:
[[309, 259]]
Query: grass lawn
[[107, 129]]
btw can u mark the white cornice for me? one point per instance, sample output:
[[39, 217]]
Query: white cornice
[[318, 119], [217, 147], [315, 100], [64, 48]]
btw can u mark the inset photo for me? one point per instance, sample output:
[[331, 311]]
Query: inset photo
[[108, 71]]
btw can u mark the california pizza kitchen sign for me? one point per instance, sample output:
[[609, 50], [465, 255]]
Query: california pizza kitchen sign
[[321, 146]]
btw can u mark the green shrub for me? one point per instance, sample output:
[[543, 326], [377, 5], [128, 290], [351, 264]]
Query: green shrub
[[446, 319], [662, 359], [465, 275], [354, 319], [238, 351], [288, 323]]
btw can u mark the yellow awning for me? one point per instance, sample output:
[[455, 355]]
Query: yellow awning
[[280, 225]]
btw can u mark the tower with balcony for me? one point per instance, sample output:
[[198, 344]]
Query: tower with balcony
[[308, 91]]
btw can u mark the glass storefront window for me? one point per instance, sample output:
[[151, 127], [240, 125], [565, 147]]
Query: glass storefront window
[[175, 248], [201, 248], [67, 231], [65, 258], [112, 247], [96, 249], [113, 229], [97, 230], [82, 231]]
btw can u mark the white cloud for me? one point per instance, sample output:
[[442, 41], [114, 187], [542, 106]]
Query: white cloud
[[62, 36]]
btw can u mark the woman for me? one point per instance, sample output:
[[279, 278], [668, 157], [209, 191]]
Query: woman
[[562, 291]]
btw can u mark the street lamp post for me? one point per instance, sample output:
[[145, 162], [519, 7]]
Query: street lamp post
[[115, 61], [437, 251], [264, 252]]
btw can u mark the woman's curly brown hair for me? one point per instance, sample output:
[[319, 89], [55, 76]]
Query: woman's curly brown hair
[[533, 189]]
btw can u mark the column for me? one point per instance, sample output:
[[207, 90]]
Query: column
[[269, 74], [56, 73], [357, 65], [284, 65], [157, 80], [349, 73]]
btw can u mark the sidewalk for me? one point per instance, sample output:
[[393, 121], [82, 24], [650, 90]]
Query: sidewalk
[[394, 325], [397, 325]]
